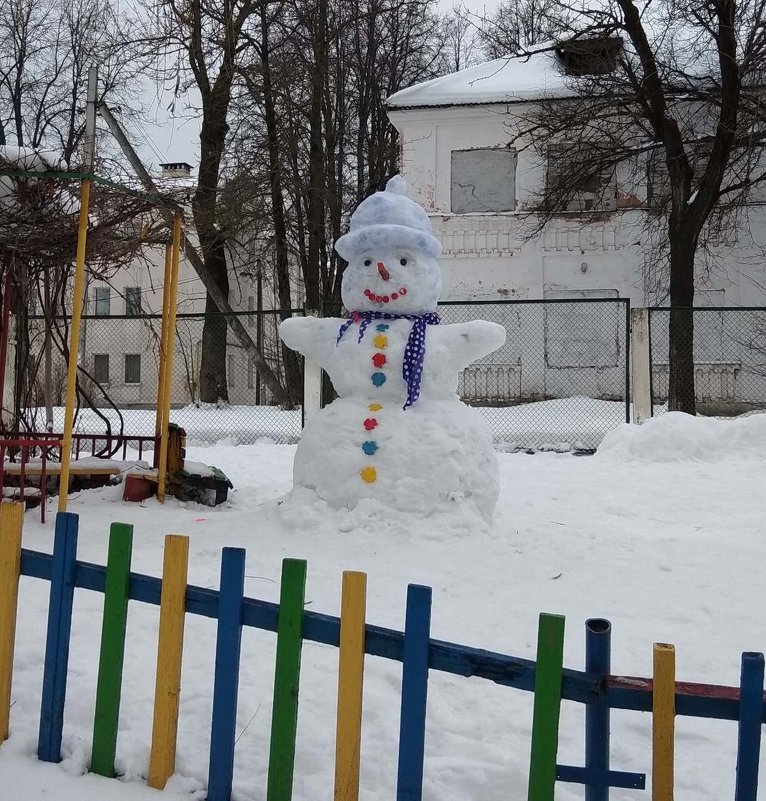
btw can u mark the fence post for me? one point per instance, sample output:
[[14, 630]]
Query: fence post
[[642, 364], [11, 523], [63, 568], [312, 383], [598, 636]]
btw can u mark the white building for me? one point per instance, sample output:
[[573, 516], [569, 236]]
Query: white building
[[458, 161], [477, 185]]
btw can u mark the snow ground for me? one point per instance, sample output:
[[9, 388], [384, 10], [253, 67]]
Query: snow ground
[[561, 424], [661, 536]]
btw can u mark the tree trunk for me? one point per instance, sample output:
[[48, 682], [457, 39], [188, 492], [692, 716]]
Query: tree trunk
[[212, 374], [313, 278], [213, 384], [681, 394], [293, 379]]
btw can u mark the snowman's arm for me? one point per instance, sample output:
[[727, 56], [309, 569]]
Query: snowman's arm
[[468, 342], [314, 337]]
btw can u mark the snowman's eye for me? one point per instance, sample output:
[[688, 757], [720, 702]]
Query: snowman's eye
[[403, 262], [367, 262]]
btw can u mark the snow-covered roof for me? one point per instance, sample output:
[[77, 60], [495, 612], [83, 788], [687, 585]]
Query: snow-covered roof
[[504, 80]]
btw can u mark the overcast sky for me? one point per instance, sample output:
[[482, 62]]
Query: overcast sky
[[173, 135]]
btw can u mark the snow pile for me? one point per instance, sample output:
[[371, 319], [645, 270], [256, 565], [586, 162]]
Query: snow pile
[[18, 192], [679, 437]]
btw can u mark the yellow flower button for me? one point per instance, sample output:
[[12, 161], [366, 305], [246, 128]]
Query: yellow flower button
[[380, 341], [369, 474], [374, 407]]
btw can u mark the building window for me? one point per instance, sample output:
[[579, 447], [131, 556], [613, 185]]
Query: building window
[[101, 300], [577, 180], [483, 181], [132, 368], [101, 368], [133, 301]]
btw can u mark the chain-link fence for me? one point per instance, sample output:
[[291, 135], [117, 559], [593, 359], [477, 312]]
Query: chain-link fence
[[119, 360], [728, 373], [561, 381]]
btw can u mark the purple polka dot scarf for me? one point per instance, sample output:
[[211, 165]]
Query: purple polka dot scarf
[[414, 351]]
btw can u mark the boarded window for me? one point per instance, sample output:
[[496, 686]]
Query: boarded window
[[101, 300], [101, 368], [132, 368], [576, 180], [483, 180], [133, 301], [582, 334]]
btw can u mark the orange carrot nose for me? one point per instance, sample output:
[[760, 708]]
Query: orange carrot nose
[[384, 274]]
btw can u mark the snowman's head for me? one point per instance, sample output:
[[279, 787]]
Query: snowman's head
[[391, 255]]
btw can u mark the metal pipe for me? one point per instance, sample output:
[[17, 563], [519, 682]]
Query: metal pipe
[[162, 467], [79, 287], [159, 422], [598, 641]]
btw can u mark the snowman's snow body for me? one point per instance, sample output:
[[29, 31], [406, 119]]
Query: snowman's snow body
[[411, 444]]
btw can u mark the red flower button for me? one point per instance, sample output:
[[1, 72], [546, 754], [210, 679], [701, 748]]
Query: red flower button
[[370, 423], [379, 359]]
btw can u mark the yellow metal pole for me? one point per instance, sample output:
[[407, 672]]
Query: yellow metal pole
[[163, 341], [74, 345], [171, 344]]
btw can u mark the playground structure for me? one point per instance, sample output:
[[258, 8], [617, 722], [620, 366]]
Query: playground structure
[[28, 478], [596, 687], [30, 471]]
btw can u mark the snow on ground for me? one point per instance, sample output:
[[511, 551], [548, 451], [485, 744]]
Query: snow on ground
[[561, 424], [654, 532]]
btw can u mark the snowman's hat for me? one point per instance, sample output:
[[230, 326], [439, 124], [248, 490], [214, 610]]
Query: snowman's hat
[[388, 219]]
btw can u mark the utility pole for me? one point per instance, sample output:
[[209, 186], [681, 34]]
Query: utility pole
[[222, 303]]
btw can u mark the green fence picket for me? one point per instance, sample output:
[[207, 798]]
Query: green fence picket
[[110, 664], [284, 720], [547, 705]]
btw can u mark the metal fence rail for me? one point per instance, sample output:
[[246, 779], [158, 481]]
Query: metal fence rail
[[729, 358]]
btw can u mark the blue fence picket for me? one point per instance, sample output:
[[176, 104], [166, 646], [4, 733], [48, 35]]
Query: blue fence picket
[[226, 682], [57, 639], [598, 637], [749, 740], [412, 729]]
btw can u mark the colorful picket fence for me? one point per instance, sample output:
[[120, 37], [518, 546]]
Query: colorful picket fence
[[546, 677]]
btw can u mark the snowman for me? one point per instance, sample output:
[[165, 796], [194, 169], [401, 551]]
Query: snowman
[[397, 432]]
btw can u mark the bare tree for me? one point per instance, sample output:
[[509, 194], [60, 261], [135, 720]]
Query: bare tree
[[673, 91], [515, 25], [314, 129], [201, 44]]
